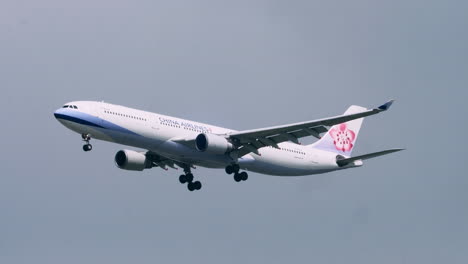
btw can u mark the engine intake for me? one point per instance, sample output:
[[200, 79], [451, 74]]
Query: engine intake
[[212, 144], [132, 160]]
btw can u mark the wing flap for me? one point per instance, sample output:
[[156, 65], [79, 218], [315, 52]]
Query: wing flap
[[163, 162]]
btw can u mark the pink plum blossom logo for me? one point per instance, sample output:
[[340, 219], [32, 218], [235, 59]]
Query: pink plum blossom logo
[[343, 137]]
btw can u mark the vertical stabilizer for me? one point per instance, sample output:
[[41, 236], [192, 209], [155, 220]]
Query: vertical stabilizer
[[341, 138]]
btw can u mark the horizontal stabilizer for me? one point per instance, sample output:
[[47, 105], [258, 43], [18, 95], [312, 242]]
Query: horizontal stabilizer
[[346, 161]]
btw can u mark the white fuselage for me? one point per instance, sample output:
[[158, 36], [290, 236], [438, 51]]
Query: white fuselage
[[156, 132]]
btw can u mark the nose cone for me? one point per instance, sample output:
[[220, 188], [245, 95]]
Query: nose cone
[[67, 117], [56, 113], [59, 113], [62, 115]]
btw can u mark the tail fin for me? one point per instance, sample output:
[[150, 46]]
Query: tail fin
[[341, 138]]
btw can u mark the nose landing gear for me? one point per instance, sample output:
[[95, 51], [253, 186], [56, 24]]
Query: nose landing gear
[[234, 168], [86, 138]]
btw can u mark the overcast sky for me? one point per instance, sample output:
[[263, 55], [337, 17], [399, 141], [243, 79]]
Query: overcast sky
[[241, 65]]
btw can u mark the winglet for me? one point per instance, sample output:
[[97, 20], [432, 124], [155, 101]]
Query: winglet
[[386, 106]]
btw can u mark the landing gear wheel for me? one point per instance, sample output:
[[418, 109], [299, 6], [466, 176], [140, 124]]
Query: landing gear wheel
[[182, 179], [85, 137], [191, 186], [237, 177], [87, 147], [189, 177], [229, 169], [244, 176], [236, 168], [197, 185]]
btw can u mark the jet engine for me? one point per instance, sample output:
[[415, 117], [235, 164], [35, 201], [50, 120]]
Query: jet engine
[[132, 160], [212, 144]]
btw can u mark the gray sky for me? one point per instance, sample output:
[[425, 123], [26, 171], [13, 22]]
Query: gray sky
[[238, 64]]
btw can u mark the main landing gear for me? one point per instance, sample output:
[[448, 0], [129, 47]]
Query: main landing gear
[[234, 168], [86, 138], [188, 178]]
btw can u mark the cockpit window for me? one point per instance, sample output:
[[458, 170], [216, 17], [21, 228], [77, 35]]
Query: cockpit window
[[70, 106]]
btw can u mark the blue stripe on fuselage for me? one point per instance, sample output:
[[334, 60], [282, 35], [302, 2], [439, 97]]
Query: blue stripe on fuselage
[[89, 120], [76, 120]]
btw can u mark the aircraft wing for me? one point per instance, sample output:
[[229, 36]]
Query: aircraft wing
[[187, 141], [163, 162], [248, 141]]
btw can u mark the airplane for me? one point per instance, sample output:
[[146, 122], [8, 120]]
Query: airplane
[[170, 142]]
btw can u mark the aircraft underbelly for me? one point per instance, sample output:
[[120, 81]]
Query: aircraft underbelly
[[268, 163]]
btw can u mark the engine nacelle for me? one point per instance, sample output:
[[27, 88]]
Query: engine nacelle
[[132, 160], [212, 144]]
